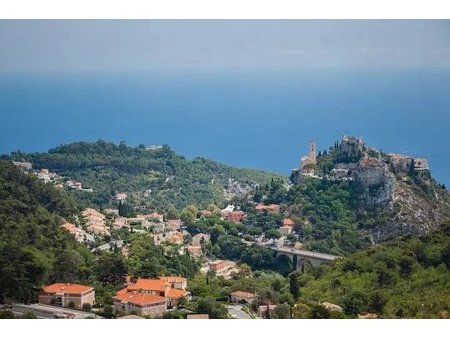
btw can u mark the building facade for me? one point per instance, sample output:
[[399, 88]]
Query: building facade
[[67, 295]]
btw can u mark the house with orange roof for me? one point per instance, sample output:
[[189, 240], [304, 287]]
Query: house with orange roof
[[176, 282], [173, 224], [175, 238], [141, 304], [121, 222], [98, 229], [200, 238], [271, 209], [76, 232], [174, 295], [243, 297], [127, 299], [288, 221], [67, 294], [89, 212], [195, 250], [235, 216], [155, 217], [217, 265]]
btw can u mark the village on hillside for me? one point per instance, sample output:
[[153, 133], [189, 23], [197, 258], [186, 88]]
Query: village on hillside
[[109, 230]]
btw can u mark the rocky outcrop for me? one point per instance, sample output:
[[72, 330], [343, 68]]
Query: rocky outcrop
[[397, 204], [413, 212], [235, 188], [375, 182]]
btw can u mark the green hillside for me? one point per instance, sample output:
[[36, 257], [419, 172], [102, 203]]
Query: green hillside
[[405, 278], [33, 248], [154, 179]]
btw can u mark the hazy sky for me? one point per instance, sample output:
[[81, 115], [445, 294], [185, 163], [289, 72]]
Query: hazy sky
[[138, 45]]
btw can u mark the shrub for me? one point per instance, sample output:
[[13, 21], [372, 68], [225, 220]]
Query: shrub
[[86, 307], [320, 312]]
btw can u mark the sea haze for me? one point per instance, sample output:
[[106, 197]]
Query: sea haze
[[258, 119]]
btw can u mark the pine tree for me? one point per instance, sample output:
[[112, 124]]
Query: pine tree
[[294, 286]]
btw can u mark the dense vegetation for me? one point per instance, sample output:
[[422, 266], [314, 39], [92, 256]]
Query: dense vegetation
[[33, 249], [406, 278], [156, 179], [332, 216]]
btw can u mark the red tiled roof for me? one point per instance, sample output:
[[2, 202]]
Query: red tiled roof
[[176, 293], [148, 285], [140, 298], [67, 288], [173, 279], [174, 222]]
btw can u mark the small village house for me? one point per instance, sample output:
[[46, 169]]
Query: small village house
[[235, 216], [266, 311], [243, 297], [270, 209], [76, 232], [200, 238], [217, 265], [195, 250], [141, 304]]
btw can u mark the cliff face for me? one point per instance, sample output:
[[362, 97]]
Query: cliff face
[[396, 202], [376, 182]]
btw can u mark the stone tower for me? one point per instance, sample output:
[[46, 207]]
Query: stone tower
[[312, 152]]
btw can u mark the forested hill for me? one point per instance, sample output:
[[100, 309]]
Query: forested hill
[[153, 178], [31, 241], [405, 278]]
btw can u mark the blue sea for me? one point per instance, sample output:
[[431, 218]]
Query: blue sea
[[257, 119]]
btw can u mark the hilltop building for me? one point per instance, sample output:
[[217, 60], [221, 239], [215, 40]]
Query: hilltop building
[[311, 158], [403, 163]]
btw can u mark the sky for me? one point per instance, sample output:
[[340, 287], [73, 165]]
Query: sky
[[126, 45]]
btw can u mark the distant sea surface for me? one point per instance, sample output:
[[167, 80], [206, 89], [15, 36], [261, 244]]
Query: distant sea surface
[[257, 119]]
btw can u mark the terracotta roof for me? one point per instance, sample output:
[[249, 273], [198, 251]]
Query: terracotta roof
[[148, 285], [140, 298], [173, 279], [67, 288], [243, 294], [176, 293], [71, 228]]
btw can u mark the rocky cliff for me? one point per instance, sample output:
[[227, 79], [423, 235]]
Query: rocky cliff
[[393, 202]]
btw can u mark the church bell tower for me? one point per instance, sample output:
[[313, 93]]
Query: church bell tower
[[312, 151]]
